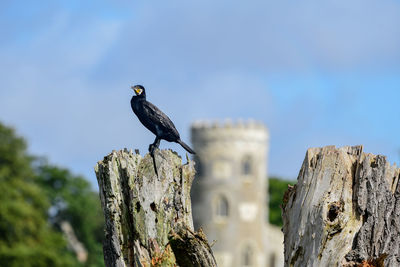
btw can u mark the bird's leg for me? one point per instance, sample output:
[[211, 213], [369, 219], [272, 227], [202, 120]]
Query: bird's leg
[[152, 147]]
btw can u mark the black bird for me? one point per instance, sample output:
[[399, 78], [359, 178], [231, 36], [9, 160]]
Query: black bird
[[155, 120]]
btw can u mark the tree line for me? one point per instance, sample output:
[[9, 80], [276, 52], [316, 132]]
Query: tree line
[[35, 198]]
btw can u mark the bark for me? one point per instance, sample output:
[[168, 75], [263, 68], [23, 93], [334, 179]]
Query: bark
[[343, 211], [73, 243], [148, 217]]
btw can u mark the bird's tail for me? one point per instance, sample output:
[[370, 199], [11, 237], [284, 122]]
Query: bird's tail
[[185, 146]]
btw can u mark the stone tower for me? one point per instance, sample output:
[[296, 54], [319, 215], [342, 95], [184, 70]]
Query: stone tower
[[229, 193]]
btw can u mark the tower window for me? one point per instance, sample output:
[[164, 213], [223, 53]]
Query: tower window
[[246, 166], [222, 207], [247, 256]]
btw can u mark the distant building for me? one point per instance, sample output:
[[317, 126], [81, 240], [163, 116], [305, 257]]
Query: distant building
[[229, 194]]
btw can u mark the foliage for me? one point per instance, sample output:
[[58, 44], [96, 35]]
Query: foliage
[[26, 238], [276, 190], [73, 200]]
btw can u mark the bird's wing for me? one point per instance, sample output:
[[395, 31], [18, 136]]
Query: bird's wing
[[157, 117]]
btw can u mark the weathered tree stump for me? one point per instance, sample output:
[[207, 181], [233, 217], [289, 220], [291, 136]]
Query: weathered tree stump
[[148, 217], [343, 211]]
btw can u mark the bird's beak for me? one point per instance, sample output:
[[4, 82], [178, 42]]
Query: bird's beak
[[137, 90]]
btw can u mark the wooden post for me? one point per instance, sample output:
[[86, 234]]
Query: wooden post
[[343, 211], [148, 217]]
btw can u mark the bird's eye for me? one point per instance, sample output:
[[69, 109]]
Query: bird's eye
[[138, 91]]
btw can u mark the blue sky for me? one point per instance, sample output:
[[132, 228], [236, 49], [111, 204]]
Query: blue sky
[[316, 73]]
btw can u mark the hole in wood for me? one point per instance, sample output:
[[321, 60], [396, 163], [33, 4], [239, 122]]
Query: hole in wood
[[374, 164], [137, 206], [153, 206], [333, 211]]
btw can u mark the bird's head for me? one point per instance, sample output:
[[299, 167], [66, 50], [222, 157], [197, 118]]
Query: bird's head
[[139, 90]]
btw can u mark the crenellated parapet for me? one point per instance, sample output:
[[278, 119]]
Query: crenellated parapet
[[228, 131]]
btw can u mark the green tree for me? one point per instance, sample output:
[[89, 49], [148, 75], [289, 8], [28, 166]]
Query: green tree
[[73, 200], [276, 190], [26, 237]]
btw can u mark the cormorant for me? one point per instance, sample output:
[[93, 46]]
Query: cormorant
[[155, 120]]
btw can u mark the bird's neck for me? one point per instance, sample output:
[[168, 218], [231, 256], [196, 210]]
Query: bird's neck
[[139, 97]]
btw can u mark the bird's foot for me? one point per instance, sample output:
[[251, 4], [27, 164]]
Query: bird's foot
[[152, 147]]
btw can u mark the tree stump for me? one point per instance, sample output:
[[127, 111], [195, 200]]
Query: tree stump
[[148, 218], [343, 211]]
